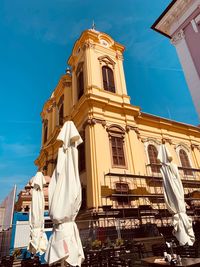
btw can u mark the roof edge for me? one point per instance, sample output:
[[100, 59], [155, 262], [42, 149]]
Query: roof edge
[[153, 27]]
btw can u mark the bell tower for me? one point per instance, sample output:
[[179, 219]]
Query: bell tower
[[97, 67], [99, 99]]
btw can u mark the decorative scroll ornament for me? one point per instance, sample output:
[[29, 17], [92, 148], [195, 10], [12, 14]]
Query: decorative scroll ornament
[[177, 37], [193, 146], [88, 44], [135, 129], [166, 140], [94, 121]]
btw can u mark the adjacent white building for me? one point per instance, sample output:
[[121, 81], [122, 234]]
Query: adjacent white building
[[180, 22]]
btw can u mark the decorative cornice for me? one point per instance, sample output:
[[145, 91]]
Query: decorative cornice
[[151, 140], [88, 44], [166, 140], [134, 128], [172, 15], [119, 56], [51, 106], [177, 37], [115, 130], [106, 60], [195, 146], [94, 121], [67, 83], [89, 88]]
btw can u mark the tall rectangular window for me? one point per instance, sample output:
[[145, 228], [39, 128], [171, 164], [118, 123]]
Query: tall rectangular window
[[117, 151], [80, 85], [153, 159], [108, 79], [81, 157]]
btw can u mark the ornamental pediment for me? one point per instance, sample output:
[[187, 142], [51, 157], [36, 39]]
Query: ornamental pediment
[[106, 60]]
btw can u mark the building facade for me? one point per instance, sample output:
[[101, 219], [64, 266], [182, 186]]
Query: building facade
[[25, 197], [119, 171], [181, 23]]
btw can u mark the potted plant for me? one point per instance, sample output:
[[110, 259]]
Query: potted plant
[[96, 244]]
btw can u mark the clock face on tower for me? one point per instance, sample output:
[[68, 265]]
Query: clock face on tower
[[104, 43]]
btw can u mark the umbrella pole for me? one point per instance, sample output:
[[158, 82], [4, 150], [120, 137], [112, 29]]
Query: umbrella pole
[[62, 263]]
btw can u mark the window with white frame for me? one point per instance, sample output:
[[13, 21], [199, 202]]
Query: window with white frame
[[153, 160], [185, 162]]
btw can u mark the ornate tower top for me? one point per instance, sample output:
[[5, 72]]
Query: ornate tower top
[[91, 38], [97, 67]]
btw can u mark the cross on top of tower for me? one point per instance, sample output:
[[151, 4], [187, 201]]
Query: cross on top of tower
[[93, 25]]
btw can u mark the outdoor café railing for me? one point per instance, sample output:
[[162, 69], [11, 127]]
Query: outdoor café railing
[[186, 173], [106, 245], [125, 186], [190, 175]]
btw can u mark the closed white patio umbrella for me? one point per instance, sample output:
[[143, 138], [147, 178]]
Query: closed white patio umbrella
[[174, 198], [65, 201], [38, 240]]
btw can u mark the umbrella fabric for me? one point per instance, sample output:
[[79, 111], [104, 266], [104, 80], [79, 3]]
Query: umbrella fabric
[[65, 201], [38, 240], [117, 226], [174, 198]]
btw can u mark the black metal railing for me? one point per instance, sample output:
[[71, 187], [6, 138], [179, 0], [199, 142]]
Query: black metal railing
[[147, 187], [186, 173]]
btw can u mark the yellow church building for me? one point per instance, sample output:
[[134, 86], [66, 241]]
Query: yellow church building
[[119, 171]]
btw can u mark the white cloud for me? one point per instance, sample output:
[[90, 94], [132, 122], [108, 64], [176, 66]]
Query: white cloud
[[165, 69]]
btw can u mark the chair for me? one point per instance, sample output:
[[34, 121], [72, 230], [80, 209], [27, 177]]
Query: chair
[[143, 251], [119, 262], [133, 257], [7, 261], [92, 259], [105, 255], [158, 249], [31, 262]]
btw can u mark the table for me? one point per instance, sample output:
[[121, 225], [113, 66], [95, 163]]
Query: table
[[185, 262]]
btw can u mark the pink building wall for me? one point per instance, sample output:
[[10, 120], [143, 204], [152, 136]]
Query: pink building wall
[[192, 37], [180, 22]]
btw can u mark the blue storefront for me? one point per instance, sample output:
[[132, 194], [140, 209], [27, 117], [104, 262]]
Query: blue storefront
[[21, 232]]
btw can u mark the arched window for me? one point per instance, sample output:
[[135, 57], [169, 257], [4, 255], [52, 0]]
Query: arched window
[[153, 154], [185, 162], [61, 115], [108, 79], [80, 84]]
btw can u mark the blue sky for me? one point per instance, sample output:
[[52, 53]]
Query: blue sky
[[36, 40]]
